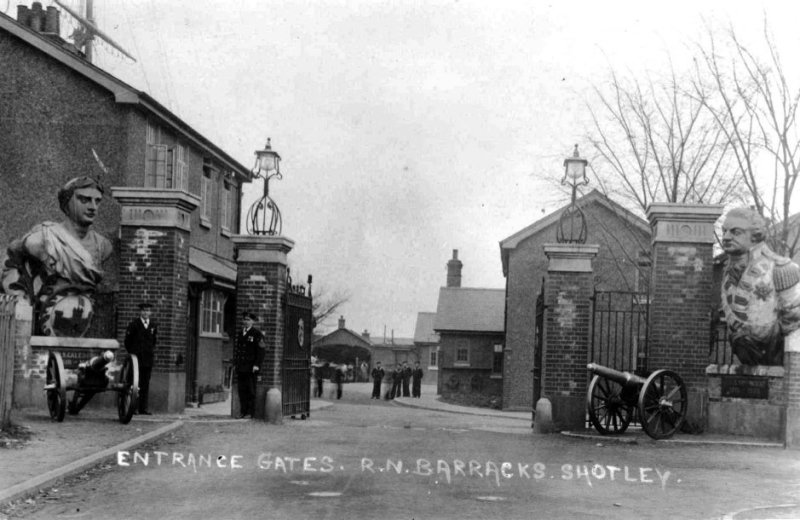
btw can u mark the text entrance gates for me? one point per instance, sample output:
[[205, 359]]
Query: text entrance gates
[[620, 331], [296, 363]]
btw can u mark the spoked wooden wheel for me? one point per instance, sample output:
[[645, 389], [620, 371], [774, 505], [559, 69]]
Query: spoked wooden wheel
[[662, 404], [608, 410], [128, 392], [55, 387]]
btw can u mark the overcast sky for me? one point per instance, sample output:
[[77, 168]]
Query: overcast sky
[[407, 128]]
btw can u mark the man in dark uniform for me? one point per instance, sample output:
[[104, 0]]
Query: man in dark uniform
[[140, 339], [377, 377], [397, 381], [338, 379], [406, 377], [416, 383], [247, 358]]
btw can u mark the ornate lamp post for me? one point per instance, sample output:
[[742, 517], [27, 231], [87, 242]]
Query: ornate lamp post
[[572, 224], [264, 217]]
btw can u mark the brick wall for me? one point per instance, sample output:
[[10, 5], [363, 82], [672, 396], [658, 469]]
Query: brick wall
[[567, 321], [155, 268], [475, 378], [260, 289], [682, 288]]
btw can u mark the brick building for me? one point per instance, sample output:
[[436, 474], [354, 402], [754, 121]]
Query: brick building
[[469, 322], [171, 206], [622, 238]]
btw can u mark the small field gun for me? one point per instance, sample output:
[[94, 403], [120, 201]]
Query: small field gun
[[615, 398]]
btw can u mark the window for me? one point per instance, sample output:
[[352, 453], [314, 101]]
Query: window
[[165, 167], [434, 361], [212, 305], [181, 169], [225, 207], [497, 360], [462, 355], [155, 168], [206, 189]]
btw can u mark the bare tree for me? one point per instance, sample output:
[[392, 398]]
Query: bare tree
[[753, 102], [325, 304], [656, 142]]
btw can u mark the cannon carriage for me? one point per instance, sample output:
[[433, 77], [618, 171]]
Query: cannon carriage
[[95, 375], [615, 399]]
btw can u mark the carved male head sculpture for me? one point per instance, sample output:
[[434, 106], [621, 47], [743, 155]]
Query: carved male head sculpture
[[743, 228]]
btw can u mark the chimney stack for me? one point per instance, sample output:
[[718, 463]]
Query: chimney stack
[[454, 270], [365, 334], [341, 322]]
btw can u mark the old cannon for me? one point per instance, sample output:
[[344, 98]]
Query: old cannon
[[90, 377], [615, 397]]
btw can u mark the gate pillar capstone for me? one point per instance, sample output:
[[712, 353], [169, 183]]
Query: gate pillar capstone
[[261, 262], [568, 288], [155, 228], [681, 296]]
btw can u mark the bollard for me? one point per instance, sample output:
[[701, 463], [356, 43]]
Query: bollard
[[274, 406], [543, 422]]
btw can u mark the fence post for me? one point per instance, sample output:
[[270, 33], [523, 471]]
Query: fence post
[[7, 350]]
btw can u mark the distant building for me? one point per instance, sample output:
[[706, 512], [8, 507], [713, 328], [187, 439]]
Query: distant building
[[426, 340], [343, 346]]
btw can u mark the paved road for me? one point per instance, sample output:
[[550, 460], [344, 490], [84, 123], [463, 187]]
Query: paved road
[[367, 459]]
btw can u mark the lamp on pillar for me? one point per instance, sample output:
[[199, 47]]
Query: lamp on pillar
[[572, 224], [264, 217]]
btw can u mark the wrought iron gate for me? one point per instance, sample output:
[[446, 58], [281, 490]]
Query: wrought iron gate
[[296, 363], [620, 330]]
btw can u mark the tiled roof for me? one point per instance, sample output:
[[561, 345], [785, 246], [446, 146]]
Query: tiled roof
[[471, 310], [423, 332]]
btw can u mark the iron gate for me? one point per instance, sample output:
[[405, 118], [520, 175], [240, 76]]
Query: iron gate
[[296, 363], [620, 330]]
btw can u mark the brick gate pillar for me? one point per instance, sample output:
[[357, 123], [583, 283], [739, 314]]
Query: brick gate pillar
[[261, 288], [681, 296], [154, 266], [568, 289]]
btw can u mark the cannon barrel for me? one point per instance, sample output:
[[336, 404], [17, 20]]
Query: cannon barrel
[[98, 362], [623, 378]]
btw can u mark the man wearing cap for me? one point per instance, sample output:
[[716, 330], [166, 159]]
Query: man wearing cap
[[140, 339], [247, 358], [66, 256], [760, 292]]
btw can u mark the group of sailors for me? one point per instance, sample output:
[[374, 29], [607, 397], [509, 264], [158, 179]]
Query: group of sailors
[[400, 379]]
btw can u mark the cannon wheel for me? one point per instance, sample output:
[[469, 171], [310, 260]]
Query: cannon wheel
[[662, 404], [128, 394], [608, 411], [56, 387]]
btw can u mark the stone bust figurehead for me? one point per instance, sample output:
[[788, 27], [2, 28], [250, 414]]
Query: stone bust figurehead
[[760, 292], [79, 199], [743, 228], [58, 266]]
